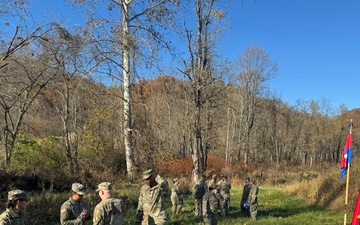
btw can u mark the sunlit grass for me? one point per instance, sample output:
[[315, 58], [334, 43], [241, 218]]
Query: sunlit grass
[[275, 208]]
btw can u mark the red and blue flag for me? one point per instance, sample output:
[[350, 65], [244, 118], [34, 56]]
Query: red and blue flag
[[346, 156]]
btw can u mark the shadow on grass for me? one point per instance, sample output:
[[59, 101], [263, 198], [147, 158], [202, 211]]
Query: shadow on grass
[[283, 212]]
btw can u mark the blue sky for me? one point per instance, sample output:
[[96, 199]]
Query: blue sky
[[316, 43]]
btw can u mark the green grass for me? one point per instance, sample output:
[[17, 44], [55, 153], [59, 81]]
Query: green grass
[[275, 208]]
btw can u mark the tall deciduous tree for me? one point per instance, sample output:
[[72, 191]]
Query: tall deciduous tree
[[201, 71], [125, 43], [256, 69]]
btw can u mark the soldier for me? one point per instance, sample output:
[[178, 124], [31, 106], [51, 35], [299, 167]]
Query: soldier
[[151, 207], [110, 211], [198, 190], [244, 199], [213, 180], [176, 197], [225, 186], [75, 210], [211, 206], [252, 200], [15, 213]]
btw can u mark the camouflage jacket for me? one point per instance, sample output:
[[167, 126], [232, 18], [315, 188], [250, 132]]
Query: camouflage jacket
[[254, 190], [225, 187], [151, 207], [210, 203], [110, 211], [70, 212], [11, 217], [176, 193]]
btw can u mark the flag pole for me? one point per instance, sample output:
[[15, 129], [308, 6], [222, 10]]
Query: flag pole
[[347, 180]]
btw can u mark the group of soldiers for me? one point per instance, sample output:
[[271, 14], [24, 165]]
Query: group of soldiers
[[212, 200]]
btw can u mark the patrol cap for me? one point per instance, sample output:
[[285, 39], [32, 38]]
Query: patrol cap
[[78, 188], [213, 186], [18, 195], [104, 186], [147, 174]]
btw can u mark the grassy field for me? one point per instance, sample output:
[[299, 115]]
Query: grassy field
[[275, 208]]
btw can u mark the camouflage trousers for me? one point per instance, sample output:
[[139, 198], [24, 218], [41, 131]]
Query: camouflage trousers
[[177, 206], [253, 211], [225, 205], [212, 219], [198, 207]]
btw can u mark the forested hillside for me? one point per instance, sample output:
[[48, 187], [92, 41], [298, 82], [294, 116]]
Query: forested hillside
[[79, 104]]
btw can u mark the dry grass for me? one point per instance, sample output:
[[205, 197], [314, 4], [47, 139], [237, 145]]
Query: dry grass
[[328, 189]]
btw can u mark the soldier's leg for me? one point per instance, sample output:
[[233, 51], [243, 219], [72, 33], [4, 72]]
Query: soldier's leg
[[173, 209], [180, 205], [198, 207], [253, 211]]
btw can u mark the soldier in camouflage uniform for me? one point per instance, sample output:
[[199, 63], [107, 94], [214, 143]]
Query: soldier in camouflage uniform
[[211, 206], [225, 186], [176, 197], [15, 213], [252, 200], [151, 206], [75, 210], [213, 180], [244, 198], [110, 211], [198, 190]]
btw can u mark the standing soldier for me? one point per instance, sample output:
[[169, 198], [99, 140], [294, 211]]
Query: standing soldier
[[151, 207], [75, 210], [198, 190], [110, 211], [213, 180], [176, 197], [15, 213], [253, 201], [244, 199], [211, 206], [225, 186]]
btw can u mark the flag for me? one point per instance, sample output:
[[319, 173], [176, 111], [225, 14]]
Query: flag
[[355, 219], [346, 156]]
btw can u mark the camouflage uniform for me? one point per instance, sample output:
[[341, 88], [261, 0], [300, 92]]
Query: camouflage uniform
[[70, 211], [12, 217], [211, 207], [252, 200], [109, 211], [151, 206], [199, 187], [225, 186], [244, 198], [212, 181], [176, 197]]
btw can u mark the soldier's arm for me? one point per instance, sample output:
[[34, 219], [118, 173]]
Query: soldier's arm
[[65, 217], [139, 212], [205, 200], [98, 216]]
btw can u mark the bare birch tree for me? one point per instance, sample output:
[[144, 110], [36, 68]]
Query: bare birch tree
[[125, 44]]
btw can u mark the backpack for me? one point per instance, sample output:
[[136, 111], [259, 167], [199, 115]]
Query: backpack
[[198, 191]]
